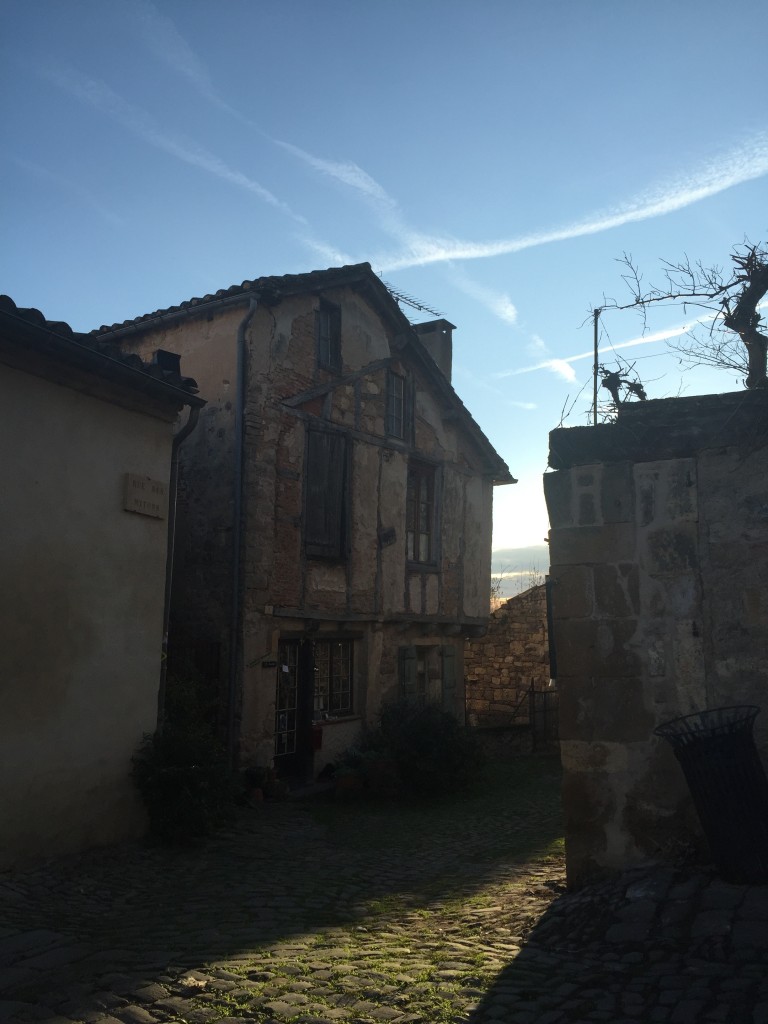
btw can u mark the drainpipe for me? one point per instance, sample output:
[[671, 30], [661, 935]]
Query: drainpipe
[[237, 526], [178, 440]]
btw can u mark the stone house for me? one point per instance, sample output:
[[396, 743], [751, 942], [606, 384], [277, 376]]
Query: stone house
[[335, 510], [87, 450], [659, 570], [501, 667]]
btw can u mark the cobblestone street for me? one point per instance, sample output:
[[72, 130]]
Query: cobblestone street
[[321, 911]]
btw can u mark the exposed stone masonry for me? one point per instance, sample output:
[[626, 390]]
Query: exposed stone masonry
[[500, 667], [658, 542]]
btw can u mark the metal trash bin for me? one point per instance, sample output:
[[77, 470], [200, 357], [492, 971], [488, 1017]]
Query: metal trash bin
[[726, 778]]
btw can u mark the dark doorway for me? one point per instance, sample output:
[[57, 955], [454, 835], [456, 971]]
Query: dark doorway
[[315, 684], [293, 710]]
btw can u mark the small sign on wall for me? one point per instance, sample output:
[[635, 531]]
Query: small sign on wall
[[146, 496]]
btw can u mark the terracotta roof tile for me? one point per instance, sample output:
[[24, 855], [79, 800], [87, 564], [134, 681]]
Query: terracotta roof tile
[[286, 284], [27, 327]]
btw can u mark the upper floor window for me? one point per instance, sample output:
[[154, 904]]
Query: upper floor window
[[399, 406], [325, 494], [420, 514], [328, 336]]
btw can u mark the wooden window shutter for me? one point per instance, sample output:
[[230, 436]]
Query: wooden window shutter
[[407, 665], [336, 338], [448, 652], [328, 336], [410, 411], [325, 494]]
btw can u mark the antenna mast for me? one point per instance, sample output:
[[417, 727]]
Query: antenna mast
[[401, 297]]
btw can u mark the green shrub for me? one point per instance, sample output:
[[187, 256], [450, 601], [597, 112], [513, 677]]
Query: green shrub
[[418, 749]]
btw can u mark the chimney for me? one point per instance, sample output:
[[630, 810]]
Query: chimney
[[437, 338]]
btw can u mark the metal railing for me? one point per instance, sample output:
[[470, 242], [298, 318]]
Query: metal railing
[[540, 708]]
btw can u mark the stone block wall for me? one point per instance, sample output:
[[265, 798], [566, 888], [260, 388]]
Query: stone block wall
[[659, 566], [500, 667]]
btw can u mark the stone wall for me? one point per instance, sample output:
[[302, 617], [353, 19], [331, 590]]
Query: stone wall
[[659, 552], [500, 667]]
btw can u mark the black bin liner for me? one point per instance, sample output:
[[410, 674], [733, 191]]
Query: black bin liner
[[716, 750]]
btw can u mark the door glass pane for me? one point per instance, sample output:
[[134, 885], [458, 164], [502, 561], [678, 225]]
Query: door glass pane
[[286, 698]]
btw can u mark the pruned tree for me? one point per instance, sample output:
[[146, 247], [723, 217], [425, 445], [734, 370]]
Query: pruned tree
[[621, 385], [731, 334]]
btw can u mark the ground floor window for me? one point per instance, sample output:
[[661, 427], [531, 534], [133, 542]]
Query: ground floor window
[[314, 682], [287, 699], [333, 677], [428, 675]]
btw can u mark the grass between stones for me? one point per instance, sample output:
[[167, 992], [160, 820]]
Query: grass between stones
[[440, 895], [315, 911]]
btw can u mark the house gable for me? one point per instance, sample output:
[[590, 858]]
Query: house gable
[[376, 305], [302, 525]]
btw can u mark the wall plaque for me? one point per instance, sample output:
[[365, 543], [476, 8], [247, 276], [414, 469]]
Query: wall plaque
[[146, 496]]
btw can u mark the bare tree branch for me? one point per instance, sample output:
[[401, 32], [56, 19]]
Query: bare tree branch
[[735, 339]]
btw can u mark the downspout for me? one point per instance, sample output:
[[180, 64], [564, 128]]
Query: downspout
[[237, 527], [178, 440]]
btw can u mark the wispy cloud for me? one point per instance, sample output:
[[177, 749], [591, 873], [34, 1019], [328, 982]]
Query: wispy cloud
[[346, 172], [163, 39], [166, 42], [562, 367], [536, 344], [330, 254], [73, 187], [392, 221], [500, 394], [99, 96], [743, 163], [499, 303]]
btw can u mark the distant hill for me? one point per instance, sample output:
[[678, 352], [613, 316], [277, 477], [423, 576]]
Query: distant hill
[[519, 568]]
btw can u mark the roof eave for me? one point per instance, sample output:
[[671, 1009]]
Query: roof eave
[[44, 339]]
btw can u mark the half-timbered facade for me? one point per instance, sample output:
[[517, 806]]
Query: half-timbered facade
[[335, 508]]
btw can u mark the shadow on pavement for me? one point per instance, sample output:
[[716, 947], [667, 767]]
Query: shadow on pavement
[[653, 944], [284, 869]]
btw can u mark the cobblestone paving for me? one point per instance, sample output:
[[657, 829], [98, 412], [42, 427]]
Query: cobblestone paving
[[312, 913]]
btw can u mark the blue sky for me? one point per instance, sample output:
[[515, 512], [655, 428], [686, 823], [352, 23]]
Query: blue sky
[[492, 159]]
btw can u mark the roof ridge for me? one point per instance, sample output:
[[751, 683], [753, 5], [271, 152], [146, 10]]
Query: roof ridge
[[271, 281]]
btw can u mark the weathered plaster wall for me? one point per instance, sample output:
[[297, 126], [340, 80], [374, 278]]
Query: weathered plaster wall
[[81, 609], [659, 552], [501, 666]]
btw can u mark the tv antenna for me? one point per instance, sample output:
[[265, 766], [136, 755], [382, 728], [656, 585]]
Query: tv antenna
[[402, 299]]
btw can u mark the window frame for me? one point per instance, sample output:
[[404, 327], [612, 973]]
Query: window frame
[[421, 512], [427, 675], [287, 711], [334, 684], [399, 424], [328, 336], [326, 494]]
